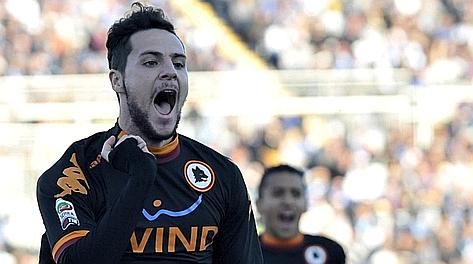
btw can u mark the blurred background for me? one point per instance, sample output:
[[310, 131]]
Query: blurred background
[[372, 97]]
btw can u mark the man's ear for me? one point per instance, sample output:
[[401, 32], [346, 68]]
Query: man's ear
[[306, 202], [258, 204], [116, 79]]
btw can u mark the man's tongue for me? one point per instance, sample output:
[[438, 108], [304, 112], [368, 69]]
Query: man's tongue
[[164, 108]]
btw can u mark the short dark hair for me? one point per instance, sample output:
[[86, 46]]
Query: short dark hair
[[139, 18], [276, 169]]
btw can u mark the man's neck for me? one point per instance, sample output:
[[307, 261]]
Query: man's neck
[[130, 129]]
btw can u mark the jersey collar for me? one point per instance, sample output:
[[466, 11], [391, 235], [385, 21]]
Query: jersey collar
[[271, 241], [165, 153]]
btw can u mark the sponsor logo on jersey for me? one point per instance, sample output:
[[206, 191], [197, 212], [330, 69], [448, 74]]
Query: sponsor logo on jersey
[[71, 182], [190, 209], [66, 213], [172, 239], [199, 175], [315, 255]]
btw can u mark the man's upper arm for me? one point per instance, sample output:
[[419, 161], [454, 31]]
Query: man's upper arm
[[62, 194]]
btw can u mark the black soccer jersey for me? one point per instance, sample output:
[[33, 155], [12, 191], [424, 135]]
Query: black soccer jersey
[[197, 211], [302, 249]]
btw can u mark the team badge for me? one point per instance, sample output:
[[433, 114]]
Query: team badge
[[315, 255], [67, 214], [199, 175]]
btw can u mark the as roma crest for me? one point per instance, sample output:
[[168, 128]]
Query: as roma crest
[[199, 175]]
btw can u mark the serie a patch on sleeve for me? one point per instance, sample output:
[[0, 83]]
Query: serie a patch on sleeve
[[66, 213]]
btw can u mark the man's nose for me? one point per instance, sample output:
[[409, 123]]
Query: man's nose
[[288, 198], [168, 72]]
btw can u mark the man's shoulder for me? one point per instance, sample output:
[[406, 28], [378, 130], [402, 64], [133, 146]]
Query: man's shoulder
[[79, 156], [204, 149], [328, 244], [84, 149], [319, 238], [220, 164]]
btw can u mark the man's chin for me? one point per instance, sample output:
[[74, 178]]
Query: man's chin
[[162, 137], [286, 234], [155, 130], [162, 132]]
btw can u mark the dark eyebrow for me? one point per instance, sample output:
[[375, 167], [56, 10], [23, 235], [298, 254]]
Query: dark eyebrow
[[179, 55], [159, 54]]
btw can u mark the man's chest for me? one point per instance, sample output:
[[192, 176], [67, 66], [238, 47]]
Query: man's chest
[[182, 211]]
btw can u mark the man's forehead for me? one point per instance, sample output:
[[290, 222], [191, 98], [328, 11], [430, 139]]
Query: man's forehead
[[156, 40], [284, 179]]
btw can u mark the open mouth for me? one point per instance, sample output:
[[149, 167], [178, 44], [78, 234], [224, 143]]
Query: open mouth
[[165, 101], [286, 217]]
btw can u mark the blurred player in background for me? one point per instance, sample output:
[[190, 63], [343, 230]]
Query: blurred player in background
[[140, 192], [281, 201]]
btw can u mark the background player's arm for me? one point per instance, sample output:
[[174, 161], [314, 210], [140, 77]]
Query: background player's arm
[[237, 240], [107, 239]]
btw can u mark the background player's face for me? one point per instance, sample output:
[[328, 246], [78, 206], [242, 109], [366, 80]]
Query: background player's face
[[281, 204], [155, 84]]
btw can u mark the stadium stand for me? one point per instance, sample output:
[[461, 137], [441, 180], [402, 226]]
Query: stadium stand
[[430, 38]]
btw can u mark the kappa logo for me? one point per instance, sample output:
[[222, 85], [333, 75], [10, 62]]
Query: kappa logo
[[315, 255], [66, 213], [70, 182], [199, 175]]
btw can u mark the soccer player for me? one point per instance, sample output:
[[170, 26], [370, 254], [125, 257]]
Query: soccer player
[[281, 201], [141, 192]]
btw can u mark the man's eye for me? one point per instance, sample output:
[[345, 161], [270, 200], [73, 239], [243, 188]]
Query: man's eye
[[296, 193], [277, 193], [150, 63], [179, 65]]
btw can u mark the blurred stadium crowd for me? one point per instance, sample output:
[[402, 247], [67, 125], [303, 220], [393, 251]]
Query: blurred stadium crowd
[[372, 187], [68, 37], [432, 38]]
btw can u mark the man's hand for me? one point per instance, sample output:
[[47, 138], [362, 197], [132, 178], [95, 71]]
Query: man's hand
[[110, 144], [130, 155]]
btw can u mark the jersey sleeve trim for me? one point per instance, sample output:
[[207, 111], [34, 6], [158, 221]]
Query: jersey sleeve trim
[[66, 241]]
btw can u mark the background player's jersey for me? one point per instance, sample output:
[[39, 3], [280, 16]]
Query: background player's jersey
[[302, 249], [198, 210]]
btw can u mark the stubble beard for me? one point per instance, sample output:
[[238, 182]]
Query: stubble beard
[[140, 118]]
